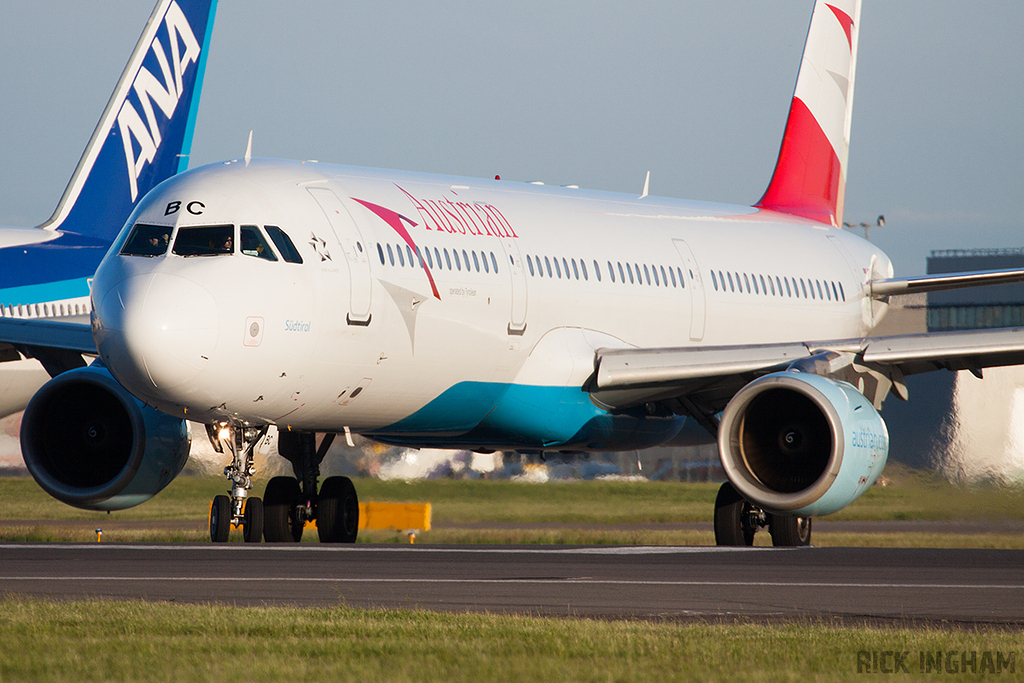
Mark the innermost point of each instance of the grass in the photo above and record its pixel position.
(179, 513)
(88, 641)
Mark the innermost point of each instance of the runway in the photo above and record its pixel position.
(858, 584)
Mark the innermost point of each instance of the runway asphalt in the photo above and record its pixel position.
(846, 584)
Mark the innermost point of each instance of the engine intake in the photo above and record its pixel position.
(91, 444)
(800, 444)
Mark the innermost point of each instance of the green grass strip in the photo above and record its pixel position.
(138, 641)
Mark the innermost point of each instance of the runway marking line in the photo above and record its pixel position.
(582, 581)
(228, 547)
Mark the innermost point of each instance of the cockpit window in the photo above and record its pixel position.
(284, 244)
(252, 243)
(206, 240)
(147, 240)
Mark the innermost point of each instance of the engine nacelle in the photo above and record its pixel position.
(801, 444)
(91, 444)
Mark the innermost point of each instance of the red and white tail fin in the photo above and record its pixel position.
(810, 175)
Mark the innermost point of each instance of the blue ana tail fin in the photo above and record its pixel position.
(145, 133)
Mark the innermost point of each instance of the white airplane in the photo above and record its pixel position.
(142, 138)
(440, 311)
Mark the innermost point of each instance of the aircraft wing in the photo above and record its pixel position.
(704, 379)
(58, 345)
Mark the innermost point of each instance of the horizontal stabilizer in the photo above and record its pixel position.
(879, 289)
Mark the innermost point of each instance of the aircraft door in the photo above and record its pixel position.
(517, 317)
(696, 285)
(356, 253)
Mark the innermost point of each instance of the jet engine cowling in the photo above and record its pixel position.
(92, 445)
(800, 444)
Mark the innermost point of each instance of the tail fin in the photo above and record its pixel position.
(145, 133)
(810, 175)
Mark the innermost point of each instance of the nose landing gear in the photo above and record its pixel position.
(238, 509)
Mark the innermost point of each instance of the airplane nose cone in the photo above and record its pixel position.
(156, 331)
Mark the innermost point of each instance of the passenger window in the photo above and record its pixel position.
(412, 261)
(380, 251)
(391, 255)
(647, 275)
(487, 268)
(207, 240)
(476, 262)
(401, 254)
(673, 274)
(803, 287)
(583, 267)
(817, 283)
(764, 288)
(746, 282)
(771, 284)
(630, 271)
(682, 282)
(147, 240)
(732, 287)
(841, 292)
(437, 257)
(494, 263)
(663, 278)
(448, 260)
(465, 259)
(529, 263)
(458, 265)
(835, 294)
(253, 244)
(597, 271)
(547, 263)
(779, 283)
(558, 269)
(565, 267)
(622, 275)
(575, 270)
(430, 261)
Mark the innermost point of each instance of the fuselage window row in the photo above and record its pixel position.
(473, 260)
(650, 274)
(790, 287)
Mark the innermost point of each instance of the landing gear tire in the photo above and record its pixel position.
(220, 519)
(280, 501)
(787, 530)
(252, 520)
(337, 519)
(733, 514)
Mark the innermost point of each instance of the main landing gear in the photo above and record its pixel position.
(238, 509)
(288, 502)
(736, 522)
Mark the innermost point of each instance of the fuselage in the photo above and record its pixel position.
(445, 310)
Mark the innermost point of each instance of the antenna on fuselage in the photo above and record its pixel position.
(647, 184)
(248, 149)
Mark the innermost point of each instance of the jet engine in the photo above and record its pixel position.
(91, 444)
(800, 444)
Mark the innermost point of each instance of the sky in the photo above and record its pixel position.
(587, 93)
